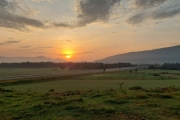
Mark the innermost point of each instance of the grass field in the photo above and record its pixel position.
(66, 85)
(107, 80)
(145, 95)
(110, 104)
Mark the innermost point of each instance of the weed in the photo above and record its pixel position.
(120, 85)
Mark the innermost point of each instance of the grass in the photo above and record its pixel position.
(100, 81)
(109, 104)
(29, 71)
(103, 96)
(65, 85)
(141, 75)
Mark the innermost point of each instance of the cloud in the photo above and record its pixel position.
(136, 19)
(44, 47)
(41, 0)
(165, 13)
(66, 40)
(88, 52)
(147, 3)
(10, 42)
(15, 21)
(155, 15)
(26, 46)
(89, 11)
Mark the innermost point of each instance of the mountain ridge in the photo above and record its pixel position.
(160, 55)
(4, 59)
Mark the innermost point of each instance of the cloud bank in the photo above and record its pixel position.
(91, 11)
(160, 12)
(148, 3)
(8, 19)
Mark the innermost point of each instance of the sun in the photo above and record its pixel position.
(68, 56)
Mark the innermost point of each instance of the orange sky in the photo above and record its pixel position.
(58, 28)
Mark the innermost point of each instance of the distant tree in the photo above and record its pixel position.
(130, 71)
(136, 70)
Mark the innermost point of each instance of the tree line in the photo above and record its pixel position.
(168, 66)
(70, 65)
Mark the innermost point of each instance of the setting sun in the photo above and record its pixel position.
(68, 56)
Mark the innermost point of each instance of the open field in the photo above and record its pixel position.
(106, 80)
(141, 95)
(134, 104)
(38, 73)
(4, 72)
(66, 85)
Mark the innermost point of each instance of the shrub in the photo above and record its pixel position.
(51, 90)
(136, 88)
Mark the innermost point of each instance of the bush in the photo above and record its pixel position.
(136, 88)
(51, 90)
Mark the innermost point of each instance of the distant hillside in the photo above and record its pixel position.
(162, 55)
(28, 59)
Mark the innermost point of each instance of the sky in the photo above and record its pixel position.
(86, 30)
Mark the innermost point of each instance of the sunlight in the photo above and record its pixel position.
(68, 56)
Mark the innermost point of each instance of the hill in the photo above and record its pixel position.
(160, 56)
(28, 59)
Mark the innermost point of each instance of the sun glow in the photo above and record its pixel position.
(68, 56)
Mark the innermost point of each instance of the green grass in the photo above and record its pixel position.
(106, 80)
(141, 75)
(65, 85)
(145, 95)
(110, 104)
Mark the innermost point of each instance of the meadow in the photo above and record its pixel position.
(105, 80)
(141, 95)
(135, 103)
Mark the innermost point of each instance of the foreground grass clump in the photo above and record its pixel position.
(157, 103)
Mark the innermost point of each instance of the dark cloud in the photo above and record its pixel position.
(147, 3)
(90, 11)
(165, 13)
(14, 21)
(158, 14)
(136, 19)
(3, 3)
(10, 42)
